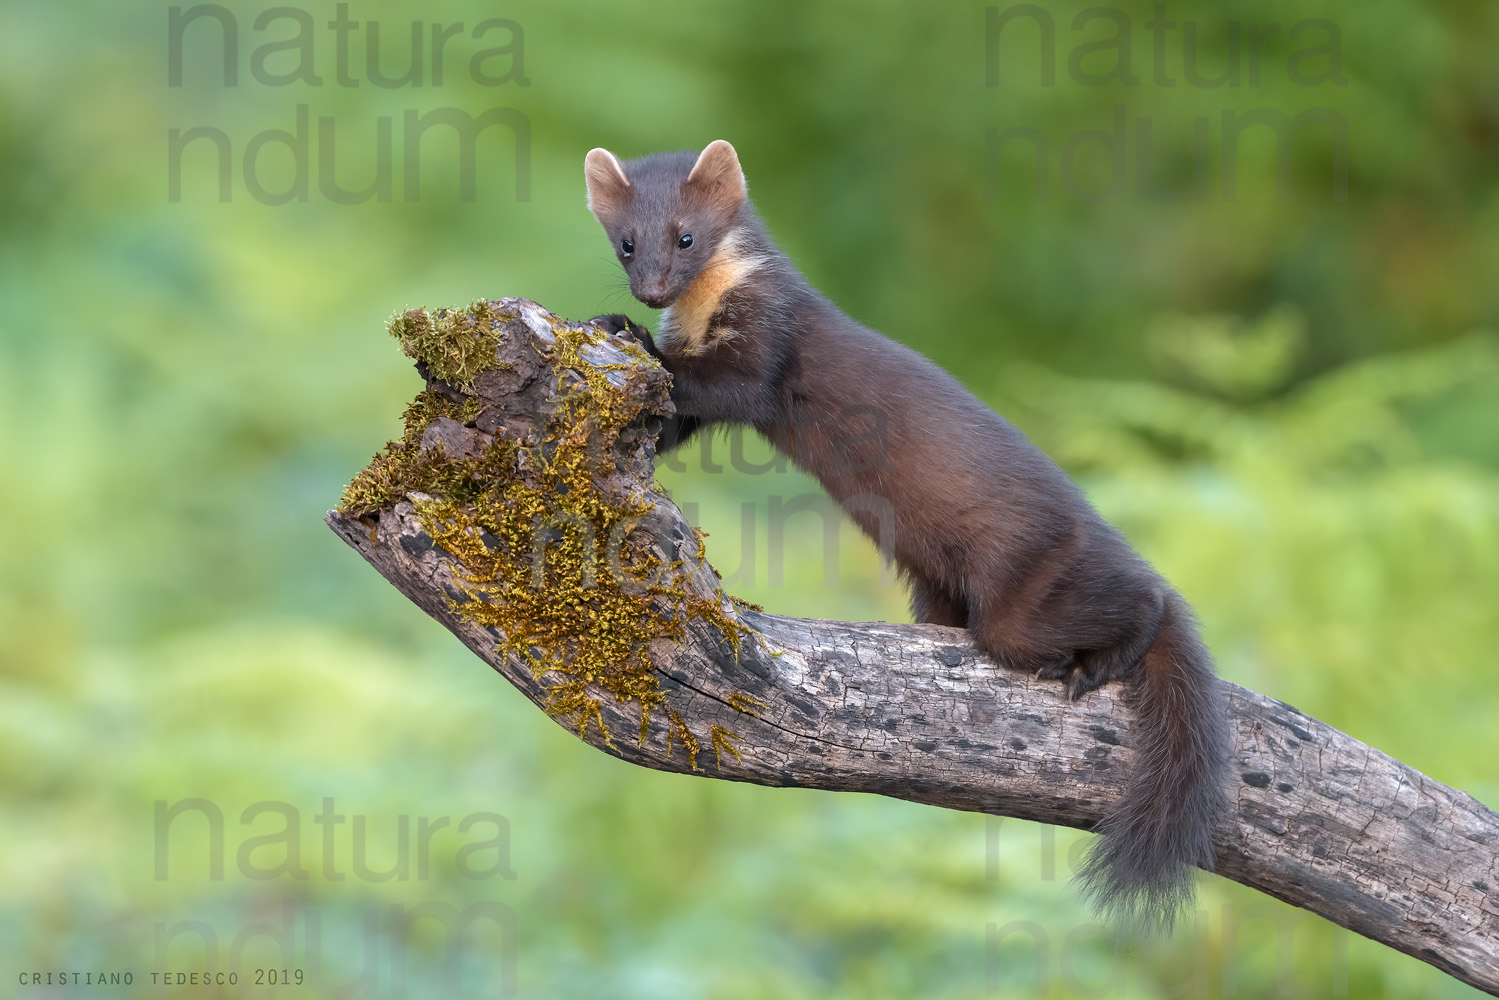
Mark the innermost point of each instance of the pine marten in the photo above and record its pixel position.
(991, 535)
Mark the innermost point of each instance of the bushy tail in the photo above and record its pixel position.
(1139, 873)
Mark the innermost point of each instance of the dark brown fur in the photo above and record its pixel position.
(990, 533)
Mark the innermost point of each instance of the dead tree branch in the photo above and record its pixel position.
(1320, 821)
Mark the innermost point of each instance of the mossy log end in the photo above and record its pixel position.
(912, 711)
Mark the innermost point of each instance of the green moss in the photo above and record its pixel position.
(404, 467)
(547, 558)
(454, 344)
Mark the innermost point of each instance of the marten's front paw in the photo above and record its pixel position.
(620, 323)
(614, 323)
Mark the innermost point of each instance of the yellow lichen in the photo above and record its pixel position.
(404, 467)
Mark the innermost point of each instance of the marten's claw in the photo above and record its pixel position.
(1083, 681)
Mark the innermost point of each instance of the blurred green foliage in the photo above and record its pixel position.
(1287, 402)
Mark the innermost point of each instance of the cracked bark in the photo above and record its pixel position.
(1320, 820)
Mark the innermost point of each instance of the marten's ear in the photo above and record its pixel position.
(607, 184)
(717, 175)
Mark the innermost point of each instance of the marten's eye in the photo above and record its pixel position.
(685, 242)
(627, 247)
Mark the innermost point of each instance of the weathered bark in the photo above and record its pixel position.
(913, 711)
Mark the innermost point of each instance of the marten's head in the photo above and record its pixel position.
(666, 214)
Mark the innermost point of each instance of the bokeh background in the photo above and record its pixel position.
(1286, 393)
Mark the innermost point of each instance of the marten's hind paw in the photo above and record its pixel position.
(1093, 672)
(1079, 676)
(1082, 681)
(1059, 669)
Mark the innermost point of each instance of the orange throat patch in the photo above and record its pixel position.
(685, 321)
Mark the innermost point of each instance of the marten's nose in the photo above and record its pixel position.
(653, 293)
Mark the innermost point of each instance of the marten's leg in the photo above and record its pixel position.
(1008, 643)
(933, 604)
(1007, 625)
